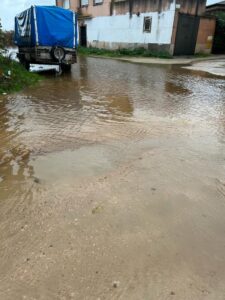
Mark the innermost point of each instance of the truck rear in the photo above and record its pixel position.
(46, 35)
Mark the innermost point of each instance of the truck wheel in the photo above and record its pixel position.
(25, 63)
(66, 68)
(58, 53)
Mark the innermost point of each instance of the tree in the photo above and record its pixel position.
(219, 39)
(1, 37)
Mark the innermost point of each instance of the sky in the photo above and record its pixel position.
(9, 8)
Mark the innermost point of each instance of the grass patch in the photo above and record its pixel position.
(138, 52)
(19, 77)
(202, 55)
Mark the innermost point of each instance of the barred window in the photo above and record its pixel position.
(84, 2)
(147, 24)
(96, 2)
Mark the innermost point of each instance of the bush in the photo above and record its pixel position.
(13, 76)
(138, 52)
(6, 38)
(219, 39)
(1, 37)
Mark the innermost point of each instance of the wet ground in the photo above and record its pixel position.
(215, 67)
(112, 185)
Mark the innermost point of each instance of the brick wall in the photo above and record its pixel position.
(205, 35)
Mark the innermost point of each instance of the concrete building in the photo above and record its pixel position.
(175, 26)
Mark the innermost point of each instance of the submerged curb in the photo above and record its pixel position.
(162, 61)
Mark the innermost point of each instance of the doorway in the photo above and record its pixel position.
(83, 36)
(186, 37)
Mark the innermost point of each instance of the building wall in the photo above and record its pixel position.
(192, 7)
(214, 9)
(205, 35)
(174, 31)
(119, 23)
(123, 31)
(92, 10)
(140, 6)
(59, 3)
(121, 7)
(64, 3)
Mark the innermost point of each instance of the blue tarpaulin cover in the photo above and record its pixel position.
(46, 26)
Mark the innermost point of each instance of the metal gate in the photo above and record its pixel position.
(186, 37)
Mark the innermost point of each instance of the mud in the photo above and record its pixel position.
(112, 185)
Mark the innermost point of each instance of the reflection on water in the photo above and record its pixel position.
(96, 104)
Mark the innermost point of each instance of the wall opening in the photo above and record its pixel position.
(97, 2)
(147, 26)
(83, 36)
(83, 3)
(186, 36)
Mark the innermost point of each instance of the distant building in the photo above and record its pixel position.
(215, 8)
(219, 38)
(175, 26)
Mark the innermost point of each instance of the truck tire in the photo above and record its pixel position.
(58, 53)
(25, 63)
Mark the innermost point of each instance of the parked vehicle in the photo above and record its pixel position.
(46, 35)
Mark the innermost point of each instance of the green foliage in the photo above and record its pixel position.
(220, 16)
(201, 55)
(219, 40)
(138, 52)
(19, 77)
(1, 37)
(6, 38)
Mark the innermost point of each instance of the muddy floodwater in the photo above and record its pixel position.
(112, 185)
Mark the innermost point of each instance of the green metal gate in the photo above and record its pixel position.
(186, 37)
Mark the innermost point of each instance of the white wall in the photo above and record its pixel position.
(123, 29)
(66, 4)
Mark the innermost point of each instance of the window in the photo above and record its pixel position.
(66, 4)
(84, 3)
(147, 24)
(97, 2)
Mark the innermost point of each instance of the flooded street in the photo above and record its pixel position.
(112, 185)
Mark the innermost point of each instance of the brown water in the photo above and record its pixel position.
(112, 185)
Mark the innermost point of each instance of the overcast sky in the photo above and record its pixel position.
(9, 8)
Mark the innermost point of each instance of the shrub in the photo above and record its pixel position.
(219, 39)
(138, 52)
(1, 37)
(13, 76)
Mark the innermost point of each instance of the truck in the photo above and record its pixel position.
(46, 35)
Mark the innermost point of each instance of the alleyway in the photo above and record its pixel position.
(112, 185)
